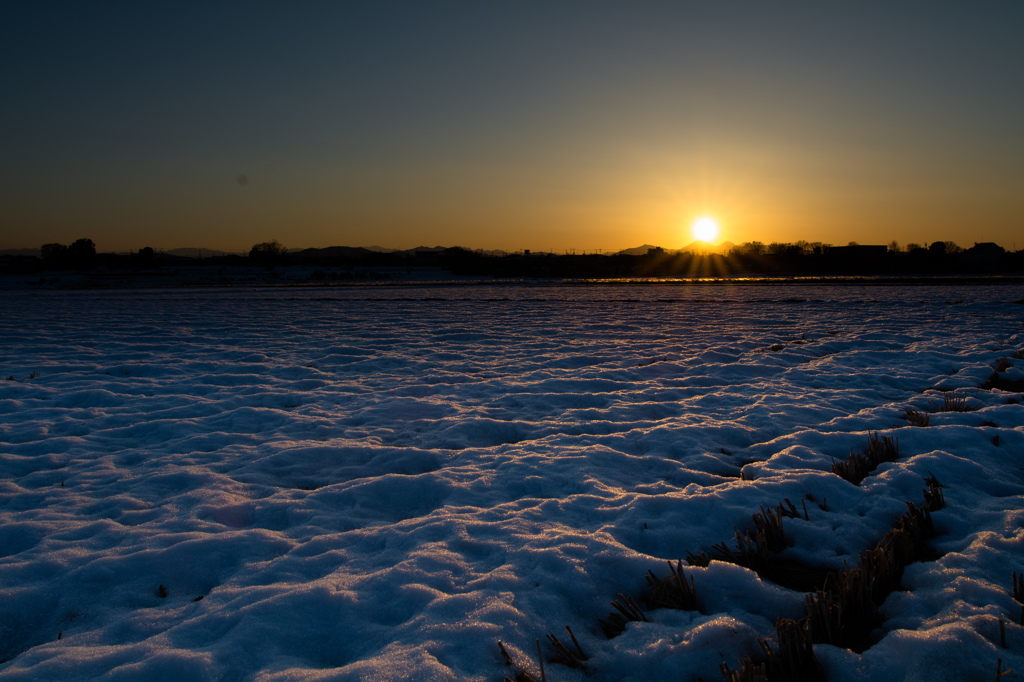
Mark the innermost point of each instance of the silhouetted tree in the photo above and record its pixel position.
(82, 253)
(894, 247)
(82, 249)
(54, 254)
(268, 253)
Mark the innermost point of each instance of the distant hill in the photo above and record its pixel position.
(693, 247)
(637, 250)
(426, 248)
(355, 251)
(198, 252)
(439, 249)
(706, 247)
(26, 253)
(312, 252)
(336, 252)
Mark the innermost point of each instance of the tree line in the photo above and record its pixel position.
(754, 257)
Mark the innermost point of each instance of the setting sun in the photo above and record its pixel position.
(705, 228)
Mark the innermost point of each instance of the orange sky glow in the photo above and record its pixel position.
(578, 127)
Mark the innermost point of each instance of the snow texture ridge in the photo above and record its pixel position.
(274, 484)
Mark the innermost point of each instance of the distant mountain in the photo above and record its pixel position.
(335, 252)
(707, 247)
(694, 247)
(198, 252)
(27, 253)
(356, 251)
(637, 250)
(431, 249)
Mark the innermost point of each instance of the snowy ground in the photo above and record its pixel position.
(380, 483)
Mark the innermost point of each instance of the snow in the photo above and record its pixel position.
(382, 482)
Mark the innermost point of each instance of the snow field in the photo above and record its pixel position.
(382, 489)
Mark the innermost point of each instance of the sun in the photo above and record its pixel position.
(705, 228)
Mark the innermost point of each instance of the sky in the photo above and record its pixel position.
(510, 125)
